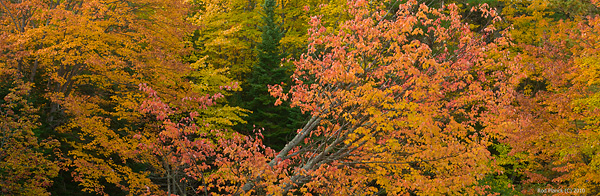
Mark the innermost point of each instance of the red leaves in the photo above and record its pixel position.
(218, 159)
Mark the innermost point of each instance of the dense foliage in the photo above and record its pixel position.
(292, 97)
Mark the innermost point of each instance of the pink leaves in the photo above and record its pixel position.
(306, 8)
(161, 110)
(232, 86)
(186, 147)
(314, 21)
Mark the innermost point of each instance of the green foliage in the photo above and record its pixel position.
(279, 122)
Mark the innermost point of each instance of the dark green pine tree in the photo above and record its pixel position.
(279, 122)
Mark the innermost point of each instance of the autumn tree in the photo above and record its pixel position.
(84, 60)
(191, 157)
(401, 104)
(553, 142)
(24, 168)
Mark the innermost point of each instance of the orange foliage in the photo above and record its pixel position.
(85, 59)
(556, 124)
(401, 103)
